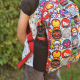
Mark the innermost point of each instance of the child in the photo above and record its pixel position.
(28, 8)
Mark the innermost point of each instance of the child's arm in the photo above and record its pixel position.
(22, 26)
(27, 8)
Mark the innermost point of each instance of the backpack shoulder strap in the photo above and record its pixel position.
(29, 33)
(30, 43)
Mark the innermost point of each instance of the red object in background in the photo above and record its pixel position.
(68, 65)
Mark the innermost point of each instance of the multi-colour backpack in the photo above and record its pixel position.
(59, 19)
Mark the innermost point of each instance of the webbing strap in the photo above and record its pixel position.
(44, 39)
(23, 60)
(31, 47)
(30, 38)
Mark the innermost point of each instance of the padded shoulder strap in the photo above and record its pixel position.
(31, 45)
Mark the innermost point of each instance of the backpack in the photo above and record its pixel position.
(59, 19)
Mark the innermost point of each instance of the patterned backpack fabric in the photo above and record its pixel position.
(60, 18)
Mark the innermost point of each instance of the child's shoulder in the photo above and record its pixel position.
(29, 6)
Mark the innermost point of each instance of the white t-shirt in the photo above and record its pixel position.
(33, 25)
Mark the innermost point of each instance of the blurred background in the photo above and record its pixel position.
(11, 49)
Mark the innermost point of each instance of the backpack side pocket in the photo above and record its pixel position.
(40, 55)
